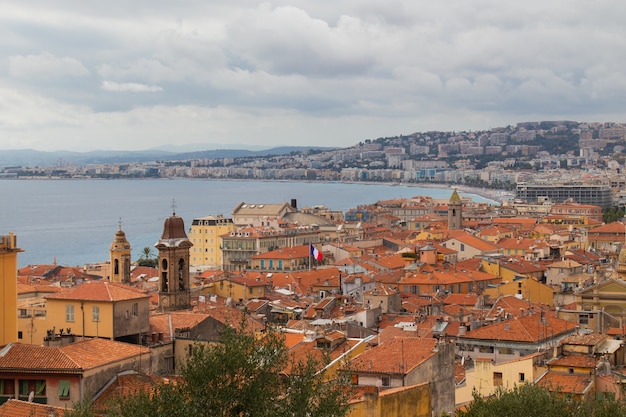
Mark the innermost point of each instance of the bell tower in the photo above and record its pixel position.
(174, 247)
(455, 212)
(120, 258)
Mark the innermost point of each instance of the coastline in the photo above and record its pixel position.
(497, 196)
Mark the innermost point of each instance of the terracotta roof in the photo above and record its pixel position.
(302, 251)
(128, 383)
(461, 299)
(72, 358)
(470, 240)
(566, 264)
(566, 383)
(100, 291)
(528, 328)
(17, 408)
(397, 356)
(228, 316)
(575, 361)
(160, 323)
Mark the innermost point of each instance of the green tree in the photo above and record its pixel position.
(147, 258)
(534, 401)
(523, 400)
(241, 376)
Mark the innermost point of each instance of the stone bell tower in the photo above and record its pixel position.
(455, 212)
(174, 247)
(120, 258)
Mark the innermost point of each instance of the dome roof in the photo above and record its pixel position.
(174, 228)
(120, 242)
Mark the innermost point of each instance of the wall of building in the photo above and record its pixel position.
(8, 289)
(412, 401)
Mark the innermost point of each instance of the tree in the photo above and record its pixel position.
(146, 258)
(534, 401)
(241, 376)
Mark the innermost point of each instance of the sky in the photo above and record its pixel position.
(146, 74)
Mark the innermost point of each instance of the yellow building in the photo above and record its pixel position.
(527, 289)
(238, 288)
(486, 376)
(100, 309)
(512, 268)
(205, 235)
(407, 401)
(8, 289)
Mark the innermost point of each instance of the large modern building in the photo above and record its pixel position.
(559, 192)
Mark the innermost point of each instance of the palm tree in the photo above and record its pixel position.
(147, 258)
(146, 253)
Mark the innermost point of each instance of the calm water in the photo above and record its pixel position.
(75, 221)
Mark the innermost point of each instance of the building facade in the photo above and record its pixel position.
(205, 235)
(8, 288)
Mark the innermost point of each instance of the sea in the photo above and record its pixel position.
(73, 222)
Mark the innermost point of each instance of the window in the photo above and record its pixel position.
(135, 309)
(385, 381)
(462, 247)
(69, 312)
(7, 387)
(485, 349)
(522, 377)
(355, 379)
(497, 379)
(20, 334)
(583, 319)
(64, 389)
(36, 386)
(95, 313)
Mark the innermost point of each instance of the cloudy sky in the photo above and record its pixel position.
(134, 75)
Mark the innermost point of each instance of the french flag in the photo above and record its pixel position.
(317, 255)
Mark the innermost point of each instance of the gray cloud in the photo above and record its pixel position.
(129, 76)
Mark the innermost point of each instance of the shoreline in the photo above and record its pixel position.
(497, 196)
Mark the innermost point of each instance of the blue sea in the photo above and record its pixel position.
(74, 221)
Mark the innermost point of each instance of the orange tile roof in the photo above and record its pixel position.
(470, 240)
(160, 323)
(528, 328)
(292, 339)
(228, 316)
(566, 383)
(575, 361)
(72, 358)
(100, 291)
(97, 352)
(302, 251)
(17, 408)
(126, 384)
(397, 356)
(461, 299)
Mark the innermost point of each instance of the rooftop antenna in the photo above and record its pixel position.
(173, 207)
(120, 223)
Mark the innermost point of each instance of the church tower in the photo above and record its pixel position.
(174, 248)
(8, 289)
(455, 212)
(120, 258)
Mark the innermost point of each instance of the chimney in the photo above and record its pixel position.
(294, 203)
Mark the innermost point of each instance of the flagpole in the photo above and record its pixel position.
(310, 250)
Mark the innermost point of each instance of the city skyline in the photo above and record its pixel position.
(150, 75)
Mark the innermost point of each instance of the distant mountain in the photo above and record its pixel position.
(30, 157)
(243, 153)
